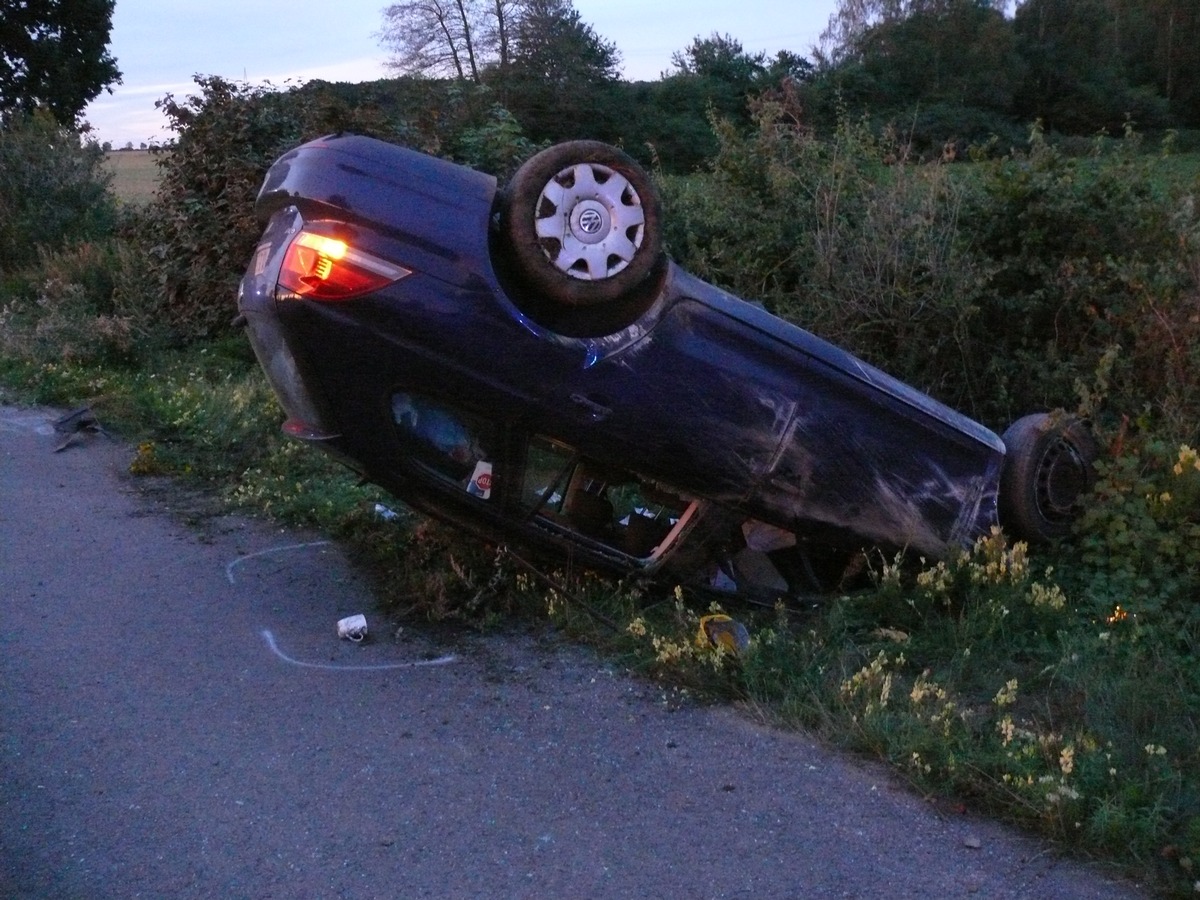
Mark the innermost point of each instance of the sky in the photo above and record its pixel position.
(160, 45)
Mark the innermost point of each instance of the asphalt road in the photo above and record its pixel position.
(179, 719)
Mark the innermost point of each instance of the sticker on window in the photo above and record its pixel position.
(480, 484)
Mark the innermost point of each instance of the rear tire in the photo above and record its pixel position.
(1048, 469)
(582, 222)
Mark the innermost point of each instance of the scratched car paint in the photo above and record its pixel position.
(529, 364)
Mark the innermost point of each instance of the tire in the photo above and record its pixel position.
(1048, 468)
(582, 221)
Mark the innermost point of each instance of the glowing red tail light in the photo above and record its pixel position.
(327, 268)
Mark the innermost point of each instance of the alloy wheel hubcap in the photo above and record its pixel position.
(589, 221)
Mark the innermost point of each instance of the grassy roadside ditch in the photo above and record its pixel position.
(1007, 681)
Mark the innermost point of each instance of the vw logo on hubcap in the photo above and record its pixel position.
(590, 221)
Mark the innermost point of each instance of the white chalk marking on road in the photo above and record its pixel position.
(241, 559)
(418, 664)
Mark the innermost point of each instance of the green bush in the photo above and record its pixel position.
(53, 189)
(88, 303)
(1082, 255)
(201, 229)
(837, 235)
(495, 145)
(999, 286)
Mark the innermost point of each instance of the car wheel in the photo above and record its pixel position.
(1048, 467)
(583, 222)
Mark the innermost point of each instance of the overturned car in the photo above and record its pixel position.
(529, 364)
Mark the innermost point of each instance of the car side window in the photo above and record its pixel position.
(455, 446)
(613, 506)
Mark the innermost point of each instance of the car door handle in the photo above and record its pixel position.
(597, 411)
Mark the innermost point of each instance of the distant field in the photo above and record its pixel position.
(135, 175)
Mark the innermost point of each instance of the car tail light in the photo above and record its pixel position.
(328, 268)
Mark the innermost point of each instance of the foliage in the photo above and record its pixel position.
(1074, 82)
(54, 56)
(553, 45)
(201, 228)
(1080, 66)
(90, 303)
(562, 75)
(1141, 537)
(522, 47)
(1000, 291)
(984, 677)
(440, 37)
(52, 189)
(458, 39)
(496, 145)
(958, 56)
(721, 57)
(835, 235)
(1083, 255)
(716, 76)
(662, 126)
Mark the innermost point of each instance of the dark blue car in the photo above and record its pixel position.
(529, 364)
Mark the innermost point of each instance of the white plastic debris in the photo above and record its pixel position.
(387, 515)
(353, 628)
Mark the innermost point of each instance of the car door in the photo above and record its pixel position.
(697, 402)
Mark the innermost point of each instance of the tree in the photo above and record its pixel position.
(438, 38)
(53, 188)
(854, 19)
(498, 28)
(1159, 43)
(961, 53)
(458, 39)
(1078, 82)
(54, 54)
(945, 71)
(788, 65)
(552, 44)
(721, 57)
(723, 74)
(563, 79)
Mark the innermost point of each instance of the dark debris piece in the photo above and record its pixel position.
(76, 425)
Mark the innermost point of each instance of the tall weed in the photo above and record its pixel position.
(839, 235)
(89, 303)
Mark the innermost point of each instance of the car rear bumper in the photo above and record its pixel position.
(256, 306)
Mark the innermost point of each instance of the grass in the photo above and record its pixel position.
(1181, 170)
(135, 175)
